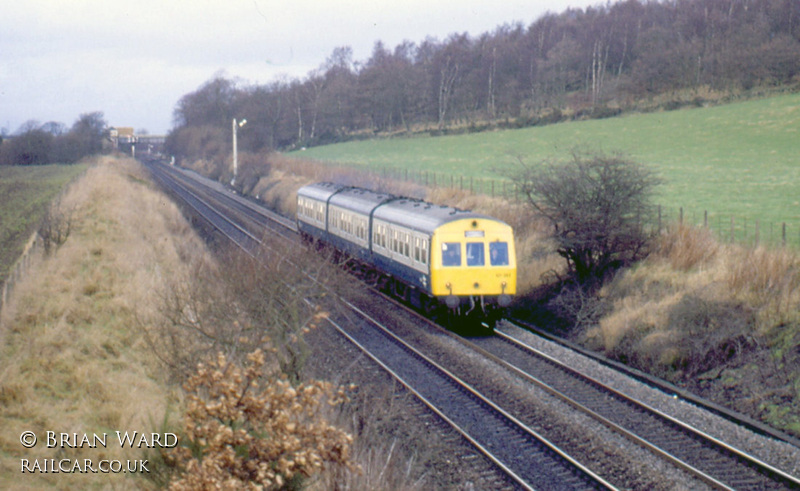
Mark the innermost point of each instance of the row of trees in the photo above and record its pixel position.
(579, 62)
(49, 143)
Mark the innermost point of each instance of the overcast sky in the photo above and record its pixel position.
(134, 60)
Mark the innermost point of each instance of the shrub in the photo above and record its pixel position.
(240, 302)
(55, 226)
(597, 206)
(245, 432)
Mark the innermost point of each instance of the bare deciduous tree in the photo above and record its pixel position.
(598, 206)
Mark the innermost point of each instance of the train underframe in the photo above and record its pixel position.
(462, 313)
(458, 313)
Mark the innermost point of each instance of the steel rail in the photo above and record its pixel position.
(591, 476)
(748, 460)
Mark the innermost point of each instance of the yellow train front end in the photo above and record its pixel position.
(473, 265)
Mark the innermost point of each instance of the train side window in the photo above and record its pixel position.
(475, 254)
(424, 252)
(451, 254)
(498, 253)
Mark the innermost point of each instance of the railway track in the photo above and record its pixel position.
(521, 452)
(718, 464)
(197, 198)
(711, 460)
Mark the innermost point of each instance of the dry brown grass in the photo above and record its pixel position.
(73, 361)
(688, 247)
(696, 304)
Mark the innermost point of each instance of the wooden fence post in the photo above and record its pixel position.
(659, 219)
(757, 232)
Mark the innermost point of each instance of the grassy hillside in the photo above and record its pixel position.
(733, 160)
(24, 193)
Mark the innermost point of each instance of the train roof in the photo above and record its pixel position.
(422, 216)
(320, 191)
(360, 200)
(409, 212)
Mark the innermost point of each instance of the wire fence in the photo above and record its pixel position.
(728, 228)
(734, 229)
(20, 268)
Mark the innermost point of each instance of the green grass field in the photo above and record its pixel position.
(24, 193)
(739, 160)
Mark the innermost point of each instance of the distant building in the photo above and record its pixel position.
(124, 139)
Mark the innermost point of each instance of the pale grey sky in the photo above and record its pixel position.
(134, 60)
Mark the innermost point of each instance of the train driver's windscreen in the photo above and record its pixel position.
(475, 254)
(498, 253)
(451, 254)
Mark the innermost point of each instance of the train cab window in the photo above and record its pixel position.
(498, 253)
(451, 254)
(475, 254)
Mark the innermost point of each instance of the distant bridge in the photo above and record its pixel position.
(125, 140)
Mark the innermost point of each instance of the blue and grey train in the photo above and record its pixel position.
(429, 255)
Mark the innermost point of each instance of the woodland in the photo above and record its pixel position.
(631, 55)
